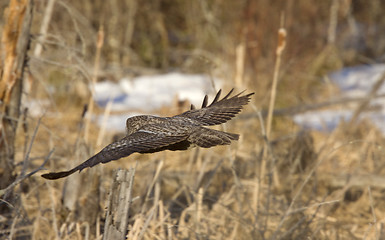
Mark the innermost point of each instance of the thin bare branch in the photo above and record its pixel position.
(41, 167)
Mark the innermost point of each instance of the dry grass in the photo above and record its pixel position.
(296, 185)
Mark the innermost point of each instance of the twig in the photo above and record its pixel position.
(86, 226)
(26, 158)
(333, 21)
(99, 46)
(12, 231)
(373, 213)
(154, 179)
(146, 223)
(240, 53)
(365, 102)
(314, 205)
(198, 209)
(202, 171)
(51, 195)
(256, 192)
(7, 189)
(106, 115)
(44, 27)
(280, 48)
(132, 8)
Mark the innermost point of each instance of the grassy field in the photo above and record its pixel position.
(286, 183)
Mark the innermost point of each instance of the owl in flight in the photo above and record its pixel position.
(149, 134)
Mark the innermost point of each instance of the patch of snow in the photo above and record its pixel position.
(148, 93)
(325, 120)
(358, 81)
(353, 82)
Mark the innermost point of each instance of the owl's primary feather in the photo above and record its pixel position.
(149, 134)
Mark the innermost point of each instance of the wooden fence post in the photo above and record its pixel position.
(118, 206)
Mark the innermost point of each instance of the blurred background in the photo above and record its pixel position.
(318, 175)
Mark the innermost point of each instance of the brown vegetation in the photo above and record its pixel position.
(292, 185)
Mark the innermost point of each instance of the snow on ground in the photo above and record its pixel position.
(353, 82)
(148, 93)
(325, 120)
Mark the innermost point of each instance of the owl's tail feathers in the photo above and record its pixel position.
(57, 175)
(206, 137)
(114, 151)
(88, 163)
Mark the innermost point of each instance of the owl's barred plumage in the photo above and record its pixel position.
(149, 134)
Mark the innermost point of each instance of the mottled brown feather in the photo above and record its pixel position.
(218, 111)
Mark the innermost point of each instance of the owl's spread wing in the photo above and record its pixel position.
(218, 111)
(148, 139)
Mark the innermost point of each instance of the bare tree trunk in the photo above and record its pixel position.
(13, 52)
